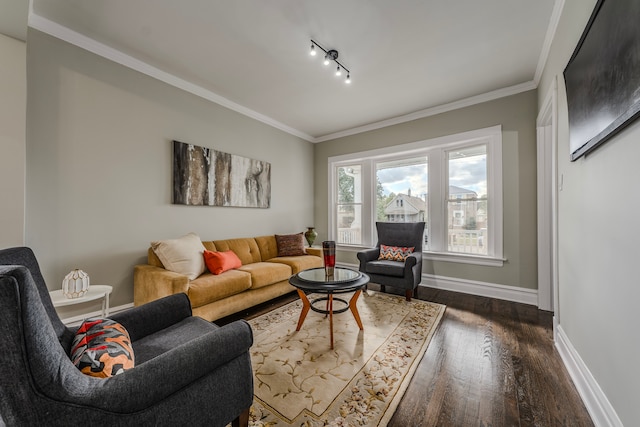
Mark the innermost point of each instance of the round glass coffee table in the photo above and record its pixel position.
(316, 281)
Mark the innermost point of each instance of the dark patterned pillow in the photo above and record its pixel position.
(395, 253)
(102, 348)
(290, 244)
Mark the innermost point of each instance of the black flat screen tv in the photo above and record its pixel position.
(602, 77)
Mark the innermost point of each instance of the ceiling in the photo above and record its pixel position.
(408, 58)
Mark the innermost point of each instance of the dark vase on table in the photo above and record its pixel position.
(329, 255)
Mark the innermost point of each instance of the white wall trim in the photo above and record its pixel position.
(63, 33)
(474, 287)
(602, 412)
(467, 102)
(76, 320)
(484, 289)
(547, 167)
(548, 39)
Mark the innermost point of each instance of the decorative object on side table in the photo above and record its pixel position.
(329, 255)
(75, 284)
(310, 235)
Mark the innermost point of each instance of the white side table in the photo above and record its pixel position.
(95, 292)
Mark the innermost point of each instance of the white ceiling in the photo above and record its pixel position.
(407, 57)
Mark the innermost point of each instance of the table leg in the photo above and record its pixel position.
(354, 308)
(105, 305)
(330, 300)
(305, 308)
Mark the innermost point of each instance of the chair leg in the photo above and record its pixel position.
(408, 294)
(242, 420)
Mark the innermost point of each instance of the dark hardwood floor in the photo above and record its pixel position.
(490, 363)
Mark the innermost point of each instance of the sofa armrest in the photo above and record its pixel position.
(314, 251)
(151, 283)
(154, 316)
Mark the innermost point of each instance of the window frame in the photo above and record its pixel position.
(436, 150)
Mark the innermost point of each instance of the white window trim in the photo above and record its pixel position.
(491, 136)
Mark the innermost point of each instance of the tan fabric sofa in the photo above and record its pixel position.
(263, 276)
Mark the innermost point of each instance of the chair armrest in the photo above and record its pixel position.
(413, 259)
(368, 255)
(150, 383)
(151, 283)
(154, 316)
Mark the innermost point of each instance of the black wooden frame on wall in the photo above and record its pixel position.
(602, 77)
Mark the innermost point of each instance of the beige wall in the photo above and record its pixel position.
(598, 239)
(517, 115)
(13, 100)
(99, 171)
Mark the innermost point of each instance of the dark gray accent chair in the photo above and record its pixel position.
(187, 371)
(404, 275)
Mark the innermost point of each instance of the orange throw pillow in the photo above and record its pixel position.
(219, 262)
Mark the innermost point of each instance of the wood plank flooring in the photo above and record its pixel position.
(490, 363)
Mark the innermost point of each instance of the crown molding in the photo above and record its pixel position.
(558, 6)
(63, 33)
(467, 102)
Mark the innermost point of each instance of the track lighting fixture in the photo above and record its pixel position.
(331, 55)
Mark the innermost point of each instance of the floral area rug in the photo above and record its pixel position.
(300, 381)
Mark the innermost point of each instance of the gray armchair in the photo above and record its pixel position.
(188, 371)
(405, 275)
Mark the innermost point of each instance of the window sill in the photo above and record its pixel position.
(445, 257)
(464, 258)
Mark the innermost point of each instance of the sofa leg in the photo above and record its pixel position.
(382, 288)
(242, 420)
(408, 294)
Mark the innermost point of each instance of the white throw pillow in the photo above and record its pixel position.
(183, 255)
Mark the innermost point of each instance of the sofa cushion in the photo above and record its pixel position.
(299, 263)
(102, 348)
(268, 247)
(219, 262)
(246, 249)
(182, 255)
(266, 273)
(208, 287)
(290, 244)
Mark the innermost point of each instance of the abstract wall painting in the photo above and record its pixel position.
(207, 177)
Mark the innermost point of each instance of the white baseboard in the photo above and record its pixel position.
(474, 287)
(484, 289)
(76, 320)
(599, 407)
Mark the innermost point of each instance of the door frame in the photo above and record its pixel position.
(547, 169)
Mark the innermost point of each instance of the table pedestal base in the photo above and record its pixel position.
(306, 305)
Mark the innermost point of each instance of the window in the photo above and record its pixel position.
(452, 183)
(467, 201)
(349, 204)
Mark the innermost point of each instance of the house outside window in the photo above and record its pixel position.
(452, 183)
